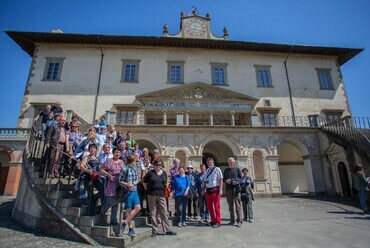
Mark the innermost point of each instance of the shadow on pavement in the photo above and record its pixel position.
(6, 221)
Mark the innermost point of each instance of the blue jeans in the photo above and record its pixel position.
(92, 198)
(204, 215)
(180, 203)
(111, 202)
(363, 196)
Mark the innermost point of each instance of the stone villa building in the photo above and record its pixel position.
(194, 95)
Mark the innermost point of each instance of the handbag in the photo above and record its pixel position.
(121, 192)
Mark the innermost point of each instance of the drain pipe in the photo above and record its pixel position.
(289, 88)
(99, 79)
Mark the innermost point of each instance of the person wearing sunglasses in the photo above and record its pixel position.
(155, 182)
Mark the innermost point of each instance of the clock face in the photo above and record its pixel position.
(195, 27)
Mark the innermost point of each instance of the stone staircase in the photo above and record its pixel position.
(62, 196)
(346, 135)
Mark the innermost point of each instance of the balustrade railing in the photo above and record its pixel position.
(15, 133)
(346, 132)
(361, 122)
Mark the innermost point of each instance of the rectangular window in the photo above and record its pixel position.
(130, 71)
(325, 80)
(268, 119)
(219, 74)
(175, 72)
(126, 116)
(263, 76)
(333, 116)
(53, 69)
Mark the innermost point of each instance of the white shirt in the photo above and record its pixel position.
(214, 177)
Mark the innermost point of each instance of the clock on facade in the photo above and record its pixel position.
(195, 27)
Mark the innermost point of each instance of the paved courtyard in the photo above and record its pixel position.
(279, 222)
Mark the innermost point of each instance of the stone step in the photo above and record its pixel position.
(77, 211)
(125, 241)
(80, 211)
(70, 202)
(34, 169)
(98, 220)
(61, 194)
(54, 187)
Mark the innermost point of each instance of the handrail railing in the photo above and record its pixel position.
(15, 133)
(351, 135)
(33, 156)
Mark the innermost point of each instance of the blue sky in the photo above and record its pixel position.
(333, 23)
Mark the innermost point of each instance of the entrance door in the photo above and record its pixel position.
(343, 177)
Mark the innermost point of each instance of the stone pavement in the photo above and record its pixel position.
(279, 222)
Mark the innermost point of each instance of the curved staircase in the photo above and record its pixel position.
(61, 206)
(346, 134)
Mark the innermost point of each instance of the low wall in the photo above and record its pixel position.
(32, 212)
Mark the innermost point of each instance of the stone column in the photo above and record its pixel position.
(315, 175)
(254, 119)
(273, 183)
(164, 112)
(186, 113)
(210, 118)
(167, 162)
(195, 161)
(140, 117)
(232, 115)
(13, 177)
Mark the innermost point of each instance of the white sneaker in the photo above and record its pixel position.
(184, 224)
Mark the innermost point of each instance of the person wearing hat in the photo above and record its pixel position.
(90, 175)
(57, 109)
(192, 196)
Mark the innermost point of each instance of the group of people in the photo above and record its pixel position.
(362, 185)
(203, 191)
(110, 160)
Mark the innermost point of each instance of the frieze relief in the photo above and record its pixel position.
(198, 93)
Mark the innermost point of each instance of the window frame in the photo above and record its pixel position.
(50, 60)
(224, 67)
(175, 63)
(267, 122)
(320, 71)
(130, 115)
(126, 62)
(264, 68)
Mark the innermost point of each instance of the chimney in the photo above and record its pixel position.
(57, 31)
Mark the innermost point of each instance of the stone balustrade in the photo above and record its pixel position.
(15, 133)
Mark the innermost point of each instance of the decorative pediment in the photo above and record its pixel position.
(197, 92)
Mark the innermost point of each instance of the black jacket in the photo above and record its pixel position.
(234, 174)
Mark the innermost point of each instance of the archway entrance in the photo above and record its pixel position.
(344, 181)
(219, 151)
(146, 144)
(4, 170)
(293, 177)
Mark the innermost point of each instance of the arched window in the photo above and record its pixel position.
(259, 168)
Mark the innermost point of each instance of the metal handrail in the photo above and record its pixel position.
(29, 156)
(346, 132)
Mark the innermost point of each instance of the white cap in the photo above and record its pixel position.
(189, 166)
